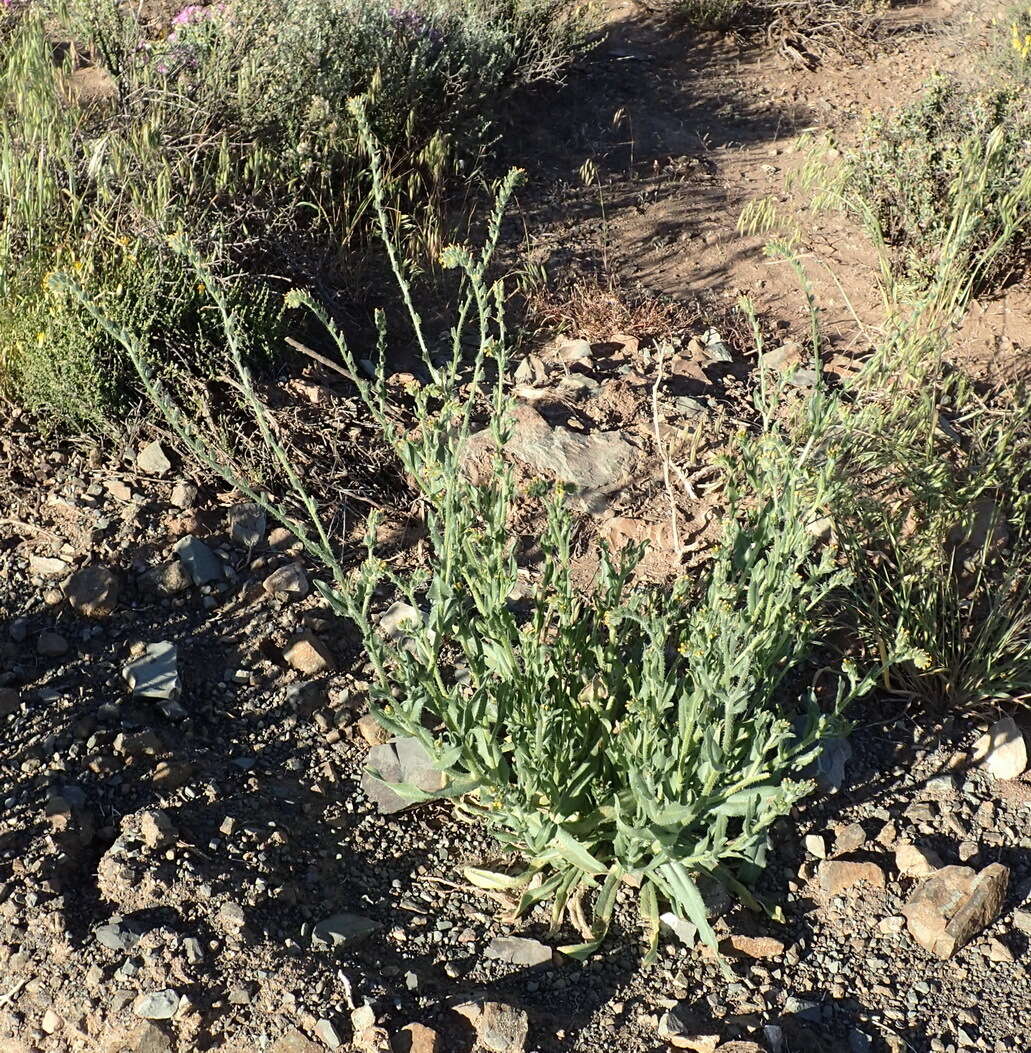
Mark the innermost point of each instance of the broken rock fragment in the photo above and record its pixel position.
(402, 761)
(500, 1028)
(952, 906)
(156, 673)
(1002, 750)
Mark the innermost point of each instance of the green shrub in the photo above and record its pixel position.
(233, 130)
(617, 737)
(913, 170)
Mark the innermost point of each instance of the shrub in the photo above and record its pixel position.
(233, 129)
(913, 171)
(614, 737)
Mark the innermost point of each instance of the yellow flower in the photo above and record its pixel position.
(201, 288)
(40, 337)
(77, 265)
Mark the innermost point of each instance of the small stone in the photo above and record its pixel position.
(685, 931)
(1002, 750)
(949, 908)
(416, 1038)
(51, 645)
(153, 460)
(518, 951)
(247, 524)
(309, 655)
(93, 592)
(156, 673)
(280, 539)
(398, 621)
(157, 1005)
(117, 935)
(892, 925)
(327, 1034)
(967, 850)
(167, 579)
(156, 829)
(372, 730)
(52, 1022)
(838, 875)
(753, 946)
(290, 582)
(849, 838)
(184, 495)
(500, 1028)
(997, 951)
(47, 567)
(200, 562)
(916, 862)
(194, 950)
(340, 931)
(816, 846)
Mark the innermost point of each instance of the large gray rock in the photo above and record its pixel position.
(156, 1005)
(401, 761)
(518, 951)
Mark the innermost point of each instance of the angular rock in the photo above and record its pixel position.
(518, 951)
(309, 655)
(93, 592)
(167, 579)
(500, 1028)
(849, 839)
(247, 524)
(200, 562)
(402, 761)
(184, 495)
(340, 931)
(593, 464)
(328, 1034)
(153, 460)
(372, 730)
(1002, 750)
(117, 935)
(398, 621)
(416, 1038)
(47, 567)
(156, 673)
(156, 829)
(156, 1005)
(684, 931)
(952, 906)
(51, 645)
(290, 582)
(816, 846)
(913, 861)
(838, 875)
(149, 1038)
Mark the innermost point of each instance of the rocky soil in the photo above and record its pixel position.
(191, 855)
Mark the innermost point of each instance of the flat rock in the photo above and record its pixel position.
(518, 950)
(500, 1028)
(404, 760)
(309, 655)
(340, 931)
(156, 673)
(153, 460)
(328, 1034)
(815, 845)
(398, 621)
(839, 875)
(593, 464)
(47, 567)
(200, 561)
(93, 592)
(952, 906)
(848, 839)
(184, 495)
(290, 582)
(685, 931)
(1002, 750)
(914, 861)
(752, 946)
(156, 1005)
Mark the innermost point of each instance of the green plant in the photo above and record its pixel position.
(942, 180)
(618, 737)
(232, 130)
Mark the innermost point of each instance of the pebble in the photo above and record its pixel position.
(156, 1005)
(290, 581)
(1002, 750)
(839, 875)
(93, 592)
(184, 495)
(153, 460)
(518, 951)
(309, 655)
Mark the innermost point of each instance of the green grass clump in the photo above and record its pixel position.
(229, 127)
(913, 169)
